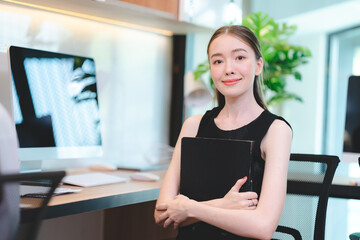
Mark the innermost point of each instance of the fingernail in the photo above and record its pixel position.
(244, 178)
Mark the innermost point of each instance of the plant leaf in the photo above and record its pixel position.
(279, 98)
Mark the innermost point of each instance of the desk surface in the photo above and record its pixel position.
(133, 192)
(99, 197)
(307, 184)
(341, 186)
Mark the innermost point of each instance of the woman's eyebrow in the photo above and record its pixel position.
(233, 51)
(238, 50)
(216, 55)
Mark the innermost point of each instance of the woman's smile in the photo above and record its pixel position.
(230, 82)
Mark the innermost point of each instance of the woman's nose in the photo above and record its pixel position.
(229, 69)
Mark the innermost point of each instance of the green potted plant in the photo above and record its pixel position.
(281, 59)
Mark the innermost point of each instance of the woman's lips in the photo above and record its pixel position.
(230, 82)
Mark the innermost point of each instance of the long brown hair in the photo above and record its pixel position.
(246, 35)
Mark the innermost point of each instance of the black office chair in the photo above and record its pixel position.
(34, 214)
(355, 235)
(309, 181)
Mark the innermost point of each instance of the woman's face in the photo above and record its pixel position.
(233, 66)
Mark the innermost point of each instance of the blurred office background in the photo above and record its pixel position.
(134, 74)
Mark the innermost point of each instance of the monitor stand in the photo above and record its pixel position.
(30, 166)
(143, 167)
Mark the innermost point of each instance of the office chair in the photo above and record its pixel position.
(37, 206)
(355, 235)
(309, 181)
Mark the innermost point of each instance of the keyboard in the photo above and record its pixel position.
(41, 191)
(92, 179)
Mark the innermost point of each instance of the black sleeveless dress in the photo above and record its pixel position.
(254, 131)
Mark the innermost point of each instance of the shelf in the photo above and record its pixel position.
(118, 13)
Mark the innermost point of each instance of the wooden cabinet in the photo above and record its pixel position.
(134, 222)
(159, 15)
(170, 6)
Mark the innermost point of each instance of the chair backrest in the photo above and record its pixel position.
(9, 164)
(33, 209)
(309, 180)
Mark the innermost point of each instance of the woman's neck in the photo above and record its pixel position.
(235, 108)
(238, 113)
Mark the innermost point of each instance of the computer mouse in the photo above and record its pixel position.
(144, 176)
(103, 167)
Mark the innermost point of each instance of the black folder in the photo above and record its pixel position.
(210, 167)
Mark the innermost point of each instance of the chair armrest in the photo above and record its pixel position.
(291, 231)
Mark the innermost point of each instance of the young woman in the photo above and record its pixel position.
(236, 65)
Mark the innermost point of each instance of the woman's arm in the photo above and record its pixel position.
(170, 187)
(261, 222)
(171, 183)
(232, 200)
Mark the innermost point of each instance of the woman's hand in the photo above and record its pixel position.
(174, 211)
(239, 200)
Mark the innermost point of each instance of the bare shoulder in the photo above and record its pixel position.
(194, 119)
(191, 126)
(277, 141)
(280, 128)
(278, 133)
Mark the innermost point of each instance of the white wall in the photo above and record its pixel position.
(133, 70)
(285, 9)
(134, 79)
(306, 117)
(210, 13)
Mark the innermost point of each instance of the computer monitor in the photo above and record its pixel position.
(351, 148)
(55, 106)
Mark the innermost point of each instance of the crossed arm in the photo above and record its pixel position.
(232, 212)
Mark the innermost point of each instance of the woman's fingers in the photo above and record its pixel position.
(161, 207)
(252, 207)
(176, 225)
(161, 218)
(252, 203)
(238, 184)
(167, 222)
(250, 195)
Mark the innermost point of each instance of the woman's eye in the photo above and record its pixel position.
(217, 61)
(239, 57)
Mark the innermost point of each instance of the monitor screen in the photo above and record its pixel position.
(55, 105)
(351, 146)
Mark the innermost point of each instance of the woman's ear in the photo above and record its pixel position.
(259, 66)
